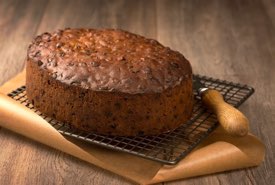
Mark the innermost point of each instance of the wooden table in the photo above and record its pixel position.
(232, 40)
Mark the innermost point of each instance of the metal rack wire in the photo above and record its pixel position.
(168, 148)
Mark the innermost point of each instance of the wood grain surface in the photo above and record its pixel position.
(230, 39)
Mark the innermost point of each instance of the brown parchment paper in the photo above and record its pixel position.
(219, 152)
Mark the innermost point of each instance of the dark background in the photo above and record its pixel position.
(230, 39)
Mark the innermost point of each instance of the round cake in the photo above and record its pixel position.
(109, 82)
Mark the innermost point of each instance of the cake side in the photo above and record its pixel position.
(110, 113)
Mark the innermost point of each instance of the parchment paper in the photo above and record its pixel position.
(219, 152)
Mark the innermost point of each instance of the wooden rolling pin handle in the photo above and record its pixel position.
(230, 118)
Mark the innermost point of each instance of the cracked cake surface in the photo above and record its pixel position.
(109, 60)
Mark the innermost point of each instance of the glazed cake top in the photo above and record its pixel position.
(109, 60)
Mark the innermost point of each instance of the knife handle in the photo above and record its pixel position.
(231, 119)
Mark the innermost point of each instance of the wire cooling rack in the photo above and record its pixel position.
(168, 148)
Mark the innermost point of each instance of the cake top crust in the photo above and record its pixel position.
(108, 60)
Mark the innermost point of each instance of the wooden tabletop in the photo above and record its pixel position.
(231, 39)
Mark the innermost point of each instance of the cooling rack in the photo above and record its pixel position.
(168, 148)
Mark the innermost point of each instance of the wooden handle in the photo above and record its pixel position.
(230, 118)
